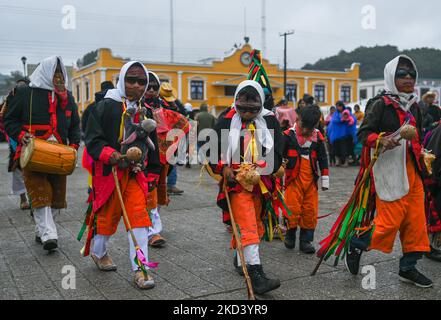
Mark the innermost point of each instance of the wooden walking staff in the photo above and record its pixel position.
(239, 247)
(140, 257)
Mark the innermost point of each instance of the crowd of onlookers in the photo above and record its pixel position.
(341, 132)
(339, 127)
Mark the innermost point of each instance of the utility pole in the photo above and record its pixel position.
(285, 34)
(263, 27)
(172, 44)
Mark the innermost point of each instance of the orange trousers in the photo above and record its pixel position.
(152, 199)
(301, 197)
(247, 209)
(405, 215)
(135, 202)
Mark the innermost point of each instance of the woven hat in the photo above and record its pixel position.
(429, 94)
(167, 92)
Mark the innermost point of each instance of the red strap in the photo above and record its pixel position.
(292, 153)
(230, 114)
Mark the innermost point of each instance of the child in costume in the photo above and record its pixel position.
(245, 127)
(304, 147)
(389, 193)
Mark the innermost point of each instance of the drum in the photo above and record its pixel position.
(48, 157)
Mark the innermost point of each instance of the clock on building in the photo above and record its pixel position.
(245, 59)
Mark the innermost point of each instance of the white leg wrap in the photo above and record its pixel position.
(157, 224)
(18, 186)
(141, 235)
(45, 224)
(251, 254)
(99, 248)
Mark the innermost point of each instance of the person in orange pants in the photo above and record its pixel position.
(104, 137)
(399, 193)
(305, 151)
(248, 125)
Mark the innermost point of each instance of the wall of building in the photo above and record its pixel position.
(229, 71)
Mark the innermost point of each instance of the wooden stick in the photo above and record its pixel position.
(239, 244)
(125, 216)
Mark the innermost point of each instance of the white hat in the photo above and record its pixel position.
(188, 107)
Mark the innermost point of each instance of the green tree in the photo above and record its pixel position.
(373, 60)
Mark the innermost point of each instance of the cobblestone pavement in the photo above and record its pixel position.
(196, 263)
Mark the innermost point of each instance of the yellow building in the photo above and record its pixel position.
(214, 81)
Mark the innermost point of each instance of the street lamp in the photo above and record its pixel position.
(23, 59)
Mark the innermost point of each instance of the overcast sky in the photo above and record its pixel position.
(207, 28)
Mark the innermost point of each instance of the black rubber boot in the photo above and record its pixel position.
(306, 238)
(261, 284)
(290, 238)
(50, 245)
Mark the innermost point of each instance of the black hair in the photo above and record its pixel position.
(249, 94)
(406, 62)
(152, 78)
(332, 108)
(136, 64)
(269, 102)
(310, 116)
(107, 85)
(25, 80)
(309, 100)
(340, 104)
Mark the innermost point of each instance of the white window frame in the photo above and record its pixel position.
(341, 91)
(291, 82)
(115, 79)
(204, 82)
(77, 86)
(326, 91)
(86, 82)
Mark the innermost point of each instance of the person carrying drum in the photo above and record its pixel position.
(45, 110)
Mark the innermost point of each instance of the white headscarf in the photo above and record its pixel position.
(43, 75)
(119, 93)
(406, 100)
(263, 134)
